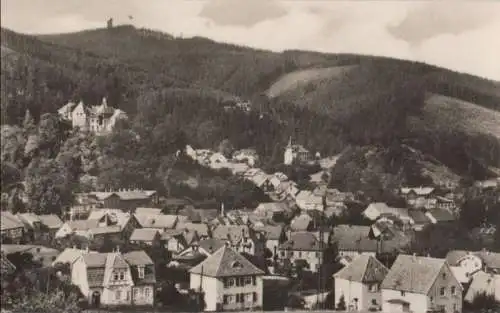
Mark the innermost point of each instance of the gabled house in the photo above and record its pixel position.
(125, 199)
(70, 255)
(419, 197)
(50, 224)
(174, 240)
(115, 278)
(194, 231)
(303, 246)
(308, 201)
(241, 238)
(274, 236)
(147, 236)
(12, 229)
(483, 283)
(229, 281)
(377, 209)
(161, 222)
(113, 219)
(421, 284)
(359, 283)
(271, 210)
(78, 227)
(204, 247)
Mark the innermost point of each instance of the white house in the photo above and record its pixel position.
(378, 209)
(421, 284)
(229, 281)
(359, 283)
(483, 283)
(115, 278)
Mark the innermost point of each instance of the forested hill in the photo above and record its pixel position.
(327, 102)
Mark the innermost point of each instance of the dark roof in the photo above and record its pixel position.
(271, 232)
(303, 241)
(363, 269)
(442, 215)
(356, 238)
(414, 274)
(418, 217)
(226, 262)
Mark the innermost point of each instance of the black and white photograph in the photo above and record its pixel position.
(180, 156)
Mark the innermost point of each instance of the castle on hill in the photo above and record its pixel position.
(98, 119)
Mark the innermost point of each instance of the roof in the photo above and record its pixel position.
(384, 209)
(356, 238)
(114, 215)
(5, 265)
(414, 274)
(149, 211)
(28, 218)
(234, 233)
(273, 206)
(83, 224)
(70, 255)
(421, 191)
(51, 221)
(442, 215)
(9, 221)
(226, 262)
(271, 232)
(301, 222)
(303, 241)
(363, 269)
(95, 259)
(138, 258)
(125, 194)
(461, 274)
(156, 221)
(144, 234)
(483, 283)
(101, 230)
(211, 245)
(200, 228)
(418, 217)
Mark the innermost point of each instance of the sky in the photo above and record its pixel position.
(460, 35)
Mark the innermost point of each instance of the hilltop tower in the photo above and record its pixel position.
(110, 23)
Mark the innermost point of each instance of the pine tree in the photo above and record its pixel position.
(341, 306)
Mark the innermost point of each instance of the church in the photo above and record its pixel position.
(98, 119)
(295, 153)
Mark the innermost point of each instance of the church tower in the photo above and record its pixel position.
(288, 156)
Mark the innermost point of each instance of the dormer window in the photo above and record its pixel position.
(140, 271)
(236, 264)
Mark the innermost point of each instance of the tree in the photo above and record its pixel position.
(39, 302)
(341, 305)
(484, 302)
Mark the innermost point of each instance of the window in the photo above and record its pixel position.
(282, 254)
(226, 300)
(444, 275)
(147, 292)
(248, 280)
(115, 276)
(128, 295)
(118, 295)
(441, 291)
(254, 297)
(432, 299)
(136, 293)
(318, 255)
(248, 297)
(374, 301)
(122, 275)
(254, 281)
(453, 290)
(403, 293)
(230, 282)
(373, 288)
(300, 254)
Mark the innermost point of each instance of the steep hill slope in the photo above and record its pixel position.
(362, 100)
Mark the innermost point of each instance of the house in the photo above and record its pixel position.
(261, 181)
(271, 210)
(70, 255)
(241, 238)
(483, 283)
(274, 236)
(302, 222)
(78, 227)
(296, 153)
(421, 284)
(418, 219)
(359, 283)
(303, 246)
(248, 156)
(197, 231)
(229, 281)
(114, 278)
(445, 203)
(125, 199)
(50, 224)
(147, 236)
(97, 119)
(420, 197)
(12, 229)
(309, 201)
(352, 240)
(161, 222)
(84, 203)
(206, 247)
(174, 240)
(440, 216)
(125, 222)
(476, 261)
(378, 209)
